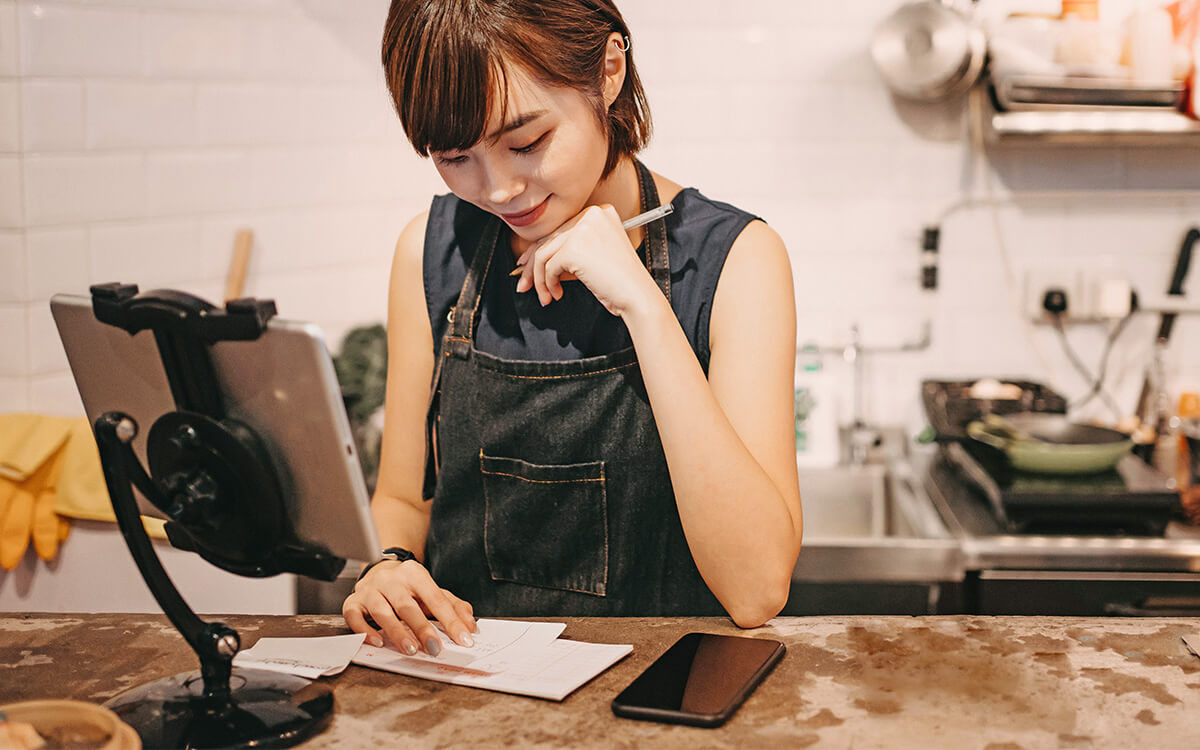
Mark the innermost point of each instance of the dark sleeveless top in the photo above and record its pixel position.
(515, 326)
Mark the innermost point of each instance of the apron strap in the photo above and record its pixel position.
(656, 257)
(456, 341)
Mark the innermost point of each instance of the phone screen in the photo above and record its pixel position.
(700, 680)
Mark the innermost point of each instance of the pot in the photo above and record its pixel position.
(927, 50)
(1051, 444)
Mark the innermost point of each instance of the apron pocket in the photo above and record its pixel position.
(546, 525)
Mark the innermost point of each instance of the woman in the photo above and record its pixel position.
(611, 432)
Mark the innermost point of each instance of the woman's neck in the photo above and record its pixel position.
(620, 189)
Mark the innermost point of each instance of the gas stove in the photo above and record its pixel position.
(1131, 499)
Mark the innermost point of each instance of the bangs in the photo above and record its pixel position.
(447, 65)
(444, 84)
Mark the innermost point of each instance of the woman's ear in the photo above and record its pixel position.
(614, 67)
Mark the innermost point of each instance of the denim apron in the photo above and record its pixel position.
(549, 485)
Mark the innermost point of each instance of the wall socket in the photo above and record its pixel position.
(1091, 297)
(1072, 281)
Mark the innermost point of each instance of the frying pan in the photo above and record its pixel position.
(1051, 444)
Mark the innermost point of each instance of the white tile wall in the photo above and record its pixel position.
(198, 182)
(58, 262)
(60, 39)
(52, 115)
(13, 284)
(11, 200)
(10, 61)
(84, 187)
(14, 341)
(10, 117)
(46, 355)
(139, 114)
(150, 254)
(14, 394)
(154, 129)
(54, 394)
(195, 44)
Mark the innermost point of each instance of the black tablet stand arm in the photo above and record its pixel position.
(210, 474)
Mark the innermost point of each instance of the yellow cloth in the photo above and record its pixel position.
(49, 472)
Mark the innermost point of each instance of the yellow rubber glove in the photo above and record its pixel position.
(45, 520)
(18, 519)
(8, 500)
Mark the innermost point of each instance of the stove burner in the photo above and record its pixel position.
(1133, 498)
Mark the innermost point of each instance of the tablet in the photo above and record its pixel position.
(282, 385)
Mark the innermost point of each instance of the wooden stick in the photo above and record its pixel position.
(236, 280)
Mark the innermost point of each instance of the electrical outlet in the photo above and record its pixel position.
(1038, 281)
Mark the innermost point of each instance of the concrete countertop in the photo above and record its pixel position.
(864, 682)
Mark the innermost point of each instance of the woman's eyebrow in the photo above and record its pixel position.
(519, 121)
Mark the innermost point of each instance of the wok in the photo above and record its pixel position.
(1051, 444)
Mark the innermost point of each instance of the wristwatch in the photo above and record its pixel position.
(399, 554)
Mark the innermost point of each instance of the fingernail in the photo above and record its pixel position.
(465, 639)
(410, 648)
(375, 641)
(433, 646)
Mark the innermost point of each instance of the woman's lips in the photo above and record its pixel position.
(528, 217)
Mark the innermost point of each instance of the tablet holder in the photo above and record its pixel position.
(214, 479)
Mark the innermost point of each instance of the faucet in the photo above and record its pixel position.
(860, 437)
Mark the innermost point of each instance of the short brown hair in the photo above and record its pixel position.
(442, 60)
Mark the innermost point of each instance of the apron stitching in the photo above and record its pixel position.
(563, 377)
(604, 511)
(540, 481)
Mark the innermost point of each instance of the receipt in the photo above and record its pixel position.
(307, 657)
(1193, 643)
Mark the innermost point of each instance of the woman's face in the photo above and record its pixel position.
(537, 169)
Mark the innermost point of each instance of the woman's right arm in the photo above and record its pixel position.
(401, 596)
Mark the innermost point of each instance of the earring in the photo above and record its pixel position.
(626, 47)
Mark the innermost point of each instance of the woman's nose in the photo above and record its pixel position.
(503, 185)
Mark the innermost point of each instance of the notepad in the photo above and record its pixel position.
(510, 656)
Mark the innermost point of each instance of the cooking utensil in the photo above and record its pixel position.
(1051, 444)
(927, 50)
(1183, 262)
(235, 281)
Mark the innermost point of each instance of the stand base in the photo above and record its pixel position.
(265, 709)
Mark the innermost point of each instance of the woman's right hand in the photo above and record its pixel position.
(400, 597)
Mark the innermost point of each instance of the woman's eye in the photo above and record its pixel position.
(532, 146)
(452, 160)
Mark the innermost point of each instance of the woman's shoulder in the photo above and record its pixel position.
(703, 226)
(691, 200)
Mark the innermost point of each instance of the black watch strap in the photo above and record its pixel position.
(398, 554)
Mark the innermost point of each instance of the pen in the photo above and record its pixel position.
(653, 214)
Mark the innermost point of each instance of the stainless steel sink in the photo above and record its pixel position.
(872, 523)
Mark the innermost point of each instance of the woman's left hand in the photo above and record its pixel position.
(594, 248)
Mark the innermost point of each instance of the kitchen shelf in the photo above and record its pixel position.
(1089, 126)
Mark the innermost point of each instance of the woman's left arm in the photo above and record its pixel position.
(729, 439)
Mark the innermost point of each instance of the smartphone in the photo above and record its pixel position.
(700, 680)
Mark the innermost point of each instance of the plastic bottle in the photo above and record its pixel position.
(816, 410)
(1189, 424)
(1151, 46)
